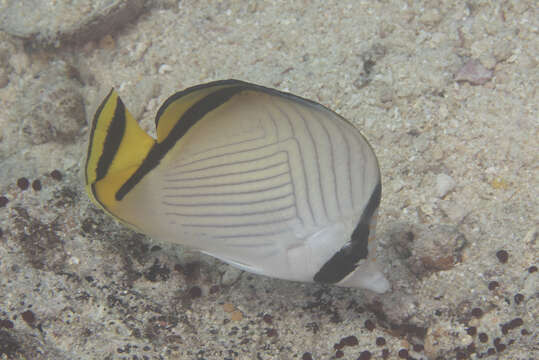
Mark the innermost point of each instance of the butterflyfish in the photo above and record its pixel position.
(264, 180)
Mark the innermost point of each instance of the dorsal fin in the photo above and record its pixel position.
(176, 105)
(116, 149)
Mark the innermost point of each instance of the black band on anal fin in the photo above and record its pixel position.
(344, 261)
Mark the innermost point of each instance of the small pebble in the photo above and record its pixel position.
(519, 298)
(502, 256)
(339, 354)
(29, 317)
(195, 292)
(477, 312)
(493, 285)
(4, 78)
(228, 307)
(236, 316)
(191, 269)
(531, 269)
(267, 318)
(271, 332)
(444, 184)
(513, 324)
(350, 340)
(107, 42)
(380, 341)
(36, 185)
(3, 201)
(164, 68)
(472, 331)
(483, 337)
(56, 175)
(474, 72)
(7, 324)
(498, 345)
(365, 355)
(369, 325)
(230, 276)
(307, 356)
(403, 353)
(23, 183)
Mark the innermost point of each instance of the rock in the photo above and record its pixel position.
(51, 107)
(437, 248)
(444, 184)
(443, 338)
(474, 72)
(47, 23)
(17, 344)
(4, 78)
(431, 17)
(230, 276)
(428, 249)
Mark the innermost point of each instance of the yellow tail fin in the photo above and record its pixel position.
(117, 147)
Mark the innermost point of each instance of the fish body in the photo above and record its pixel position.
(264, 180)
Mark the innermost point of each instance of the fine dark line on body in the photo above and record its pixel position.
(272, 119)
(355, 153)
(300, 159)
(348, 163)
(218, 156)
(230, 193)
(270, 222)
(229, 145)
(263, 136)
(269, 233)
(332, 159)
(224, 215)
(231, 203)
(226, 184)
(225, 164)
(261, 245)
(226, 174)
(317, 161)
(294, 191)
(363, 161)
(224, 146)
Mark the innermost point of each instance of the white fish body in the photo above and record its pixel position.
(266, 181)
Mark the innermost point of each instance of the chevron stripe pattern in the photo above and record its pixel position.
(265, 167)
